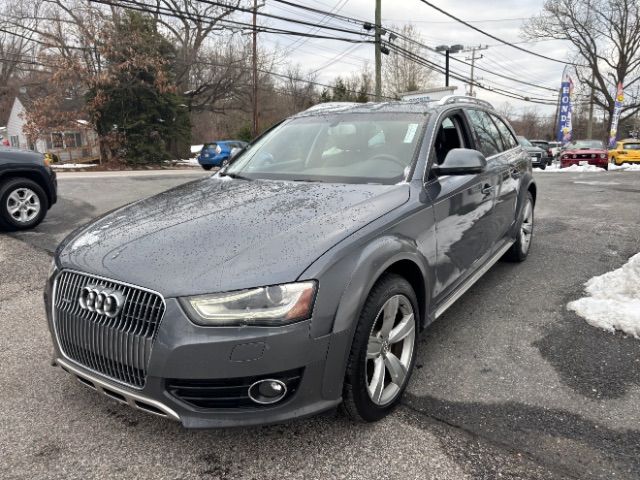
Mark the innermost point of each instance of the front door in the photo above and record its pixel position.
(462, 208)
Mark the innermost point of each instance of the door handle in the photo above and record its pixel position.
(487, 189)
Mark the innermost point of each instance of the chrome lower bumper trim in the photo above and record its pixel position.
(134, 400)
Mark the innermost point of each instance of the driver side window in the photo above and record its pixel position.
(450, 135)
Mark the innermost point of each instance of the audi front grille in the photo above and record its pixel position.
(118, 345)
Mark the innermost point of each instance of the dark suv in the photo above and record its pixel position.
(348, 229)
(28, 188)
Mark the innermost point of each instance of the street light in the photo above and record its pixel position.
(448, 50)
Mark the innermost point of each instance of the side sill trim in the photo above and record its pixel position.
(473, 279)
(134, 400)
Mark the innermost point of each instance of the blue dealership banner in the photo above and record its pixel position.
(565, 128)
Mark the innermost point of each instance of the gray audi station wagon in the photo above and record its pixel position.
(299, 277)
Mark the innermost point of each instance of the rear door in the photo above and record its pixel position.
(489, 141)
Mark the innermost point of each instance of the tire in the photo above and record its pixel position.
(613, 160)
(606, 167)
(542, 166)
(33, 211)
(207, 167)
(369, 360)
(520, 249)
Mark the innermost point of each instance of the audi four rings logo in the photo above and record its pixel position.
(101, 300)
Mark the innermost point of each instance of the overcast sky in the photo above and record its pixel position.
(502, 18)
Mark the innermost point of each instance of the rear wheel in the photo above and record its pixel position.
(383, 350)
(23, 204)
(542, 166)
(520, 249)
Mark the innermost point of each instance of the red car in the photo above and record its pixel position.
(584, 152)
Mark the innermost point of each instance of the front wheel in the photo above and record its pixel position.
(207, 167)
(542, 166)
(383, 350)
(23, 204)
(520, 249)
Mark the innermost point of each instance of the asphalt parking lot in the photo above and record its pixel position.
(509, 384)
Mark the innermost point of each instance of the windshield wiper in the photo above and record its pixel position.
(235, 175)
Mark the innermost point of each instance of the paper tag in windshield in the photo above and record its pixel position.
(411, 132)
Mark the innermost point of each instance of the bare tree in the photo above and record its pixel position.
(402, 74)
(606, 38)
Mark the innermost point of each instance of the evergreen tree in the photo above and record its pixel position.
(136, 102)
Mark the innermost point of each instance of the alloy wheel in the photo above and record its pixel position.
(23, 205)
(390, 350)
(526, 229)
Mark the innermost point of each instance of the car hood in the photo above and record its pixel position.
(588, 151)
(534, 149)
(219, 234)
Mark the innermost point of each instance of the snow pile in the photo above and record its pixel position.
(196, 148)
(635, 167)
(614, 301)
(572, 169)
(73, 165)
(188, 161)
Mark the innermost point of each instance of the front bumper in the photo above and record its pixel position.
(213, 161)
(597, 162)
(183, 351)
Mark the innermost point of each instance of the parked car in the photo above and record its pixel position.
(338, 251)
(546, 146)
(539, 156)
(626, 151)
(555, 149)
(218, 154)
(28, 188)
(584, 152)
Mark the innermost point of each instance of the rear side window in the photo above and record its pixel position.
(487, 134)
(508, 140)
(212, 146)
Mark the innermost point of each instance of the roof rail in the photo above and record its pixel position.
(331, 106)
(463, 99)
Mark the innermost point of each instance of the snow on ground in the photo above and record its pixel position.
(628, 168)
(614, 300)
(555, 168)
(73, 165)
(572, 169)
(188, 161)
(196, 148)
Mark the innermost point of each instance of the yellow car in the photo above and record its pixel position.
(626, 151)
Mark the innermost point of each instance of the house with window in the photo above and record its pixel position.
(77, 143)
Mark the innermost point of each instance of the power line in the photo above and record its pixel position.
(498, 39)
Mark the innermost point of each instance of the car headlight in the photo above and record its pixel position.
(264, 306)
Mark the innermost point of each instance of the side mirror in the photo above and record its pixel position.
(461, 161)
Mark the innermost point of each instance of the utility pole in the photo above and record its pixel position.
(473, 59)
(254, 127)
(378, 42)
(591, 101)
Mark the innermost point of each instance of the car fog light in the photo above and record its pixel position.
(266, 392)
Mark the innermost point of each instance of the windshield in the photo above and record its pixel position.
(340, 148)
(524, 142)
(585, 144)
